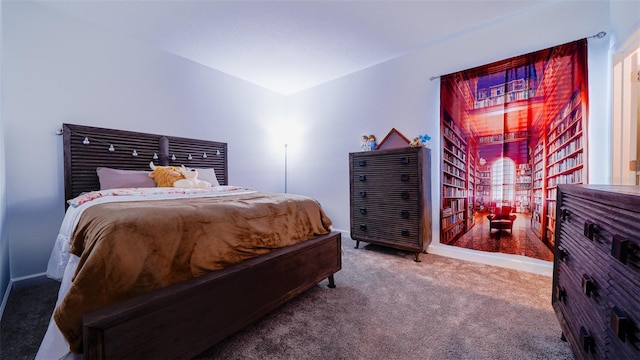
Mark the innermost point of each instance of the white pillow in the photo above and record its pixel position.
(208, 175)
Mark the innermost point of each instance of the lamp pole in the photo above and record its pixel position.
(285, 168)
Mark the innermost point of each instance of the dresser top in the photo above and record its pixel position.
(403, 150)
(623, 196)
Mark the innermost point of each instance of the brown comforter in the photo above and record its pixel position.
(130, 248)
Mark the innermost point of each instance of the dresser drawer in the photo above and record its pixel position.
(403, 233)
(395, 212)
(584, 334)
(602, 224)
(391, 190)
(585, 306)
(622, 320)
(397, 197)
(385, 163)
(384, 181)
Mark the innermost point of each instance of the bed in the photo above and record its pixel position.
(176, 318)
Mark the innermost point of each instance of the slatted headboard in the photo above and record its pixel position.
(87, 148)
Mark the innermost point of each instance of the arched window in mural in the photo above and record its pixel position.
(503, 179)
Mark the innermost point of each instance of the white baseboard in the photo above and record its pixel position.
(509, 261)
(30, 280)
(5, 298)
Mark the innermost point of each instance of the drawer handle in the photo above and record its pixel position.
(362, 162)
(620, 248)
(589, 229)
(363, 194)
(363, 227)
(404, 214)
(363, 211)
(362, 178)
(404, 232)
(586, 340)
(561, 294)
(618, 323)
(404, 195)
(588, 286)
(404, 160)
(565, 214)
(564, 255)
(404, 177)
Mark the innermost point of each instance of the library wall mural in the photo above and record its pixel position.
(511, 132)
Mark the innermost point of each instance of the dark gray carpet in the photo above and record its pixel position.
(25, 320)
(385, 306)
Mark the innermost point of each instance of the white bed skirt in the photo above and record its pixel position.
(54, 346)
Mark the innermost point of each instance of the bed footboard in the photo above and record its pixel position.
(185, 319)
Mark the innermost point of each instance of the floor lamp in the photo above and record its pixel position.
(285, 168)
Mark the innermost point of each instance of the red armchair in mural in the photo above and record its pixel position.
(501, 219)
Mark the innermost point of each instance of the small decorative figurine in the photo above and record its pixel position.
(420, 140)
(425, 140)
(368, 143)
(364, 146)
(372, 142)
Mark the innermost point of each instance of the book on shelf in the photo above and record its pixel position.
(500, 138)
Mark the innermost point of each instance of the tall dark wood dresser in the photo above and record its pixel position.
(391, 198)
(596, 274)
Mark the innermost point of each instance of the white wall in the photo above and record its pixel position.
(399, 94)
(625, 21)
(60, 70)
(599, 129)
(5, 274)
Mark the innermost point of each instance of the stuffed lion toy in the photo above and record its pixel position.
(165, 176)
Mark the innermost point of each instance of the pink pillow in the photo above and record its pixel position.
(116, 178)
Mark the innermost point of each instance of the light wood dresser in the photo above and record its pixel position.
(596, 275)
(391, 198)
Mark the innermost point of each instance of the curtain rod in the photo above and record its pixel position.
(599, 35)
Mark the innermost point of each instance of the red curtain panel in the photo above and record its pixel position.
(511, 131)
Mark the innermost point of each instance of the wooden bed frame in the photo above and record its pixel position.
(185, 319)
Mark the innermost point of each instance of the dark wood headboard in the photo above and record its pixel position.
(82, 157)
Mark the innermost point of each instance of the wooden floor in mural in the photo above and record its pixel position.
(521, 242)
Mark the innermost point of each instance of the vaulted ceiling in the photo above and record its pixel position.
(288, 46)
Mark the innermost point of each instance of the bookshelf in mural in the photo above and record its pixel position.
(454, 180)
(471, 186)
(523, 188)
(504, 137)
(483, 187)
(502, 93)
(538, 182)
(564, 162)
